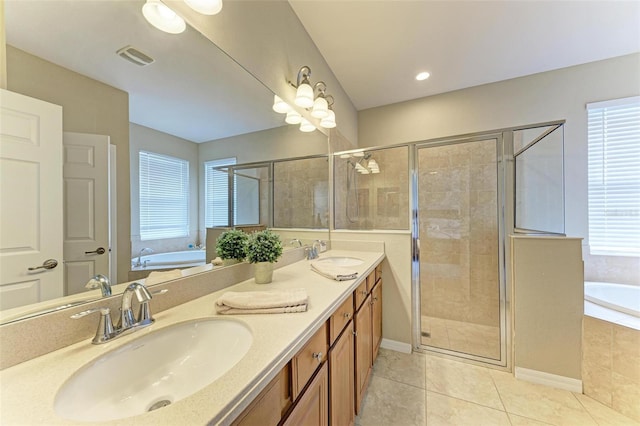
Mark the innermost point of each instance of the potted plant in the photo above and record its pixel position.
(264, 248)
(232, 246)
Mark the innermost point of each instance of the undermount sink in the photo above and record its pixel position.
(341, 261)
(154, 370)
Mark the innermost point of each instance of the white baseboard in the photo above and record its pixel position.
(548, 379)
(394, 345)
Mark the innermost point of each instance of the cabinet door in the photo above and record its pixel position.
(363, 350)
(268, 407)
(308, 360)
(341, 379)
(313, 407)
(376, 319)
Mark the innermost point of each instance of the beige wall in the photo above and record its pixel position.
(548, 305)
(554, 95)
(269, 41)
(145, 139)
(88, 107)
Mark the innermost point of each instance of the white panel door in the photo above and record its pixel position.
(86, 209)
(30, 200)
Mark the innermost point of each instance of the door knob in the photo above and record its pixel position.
(99, 250)
(47, 264)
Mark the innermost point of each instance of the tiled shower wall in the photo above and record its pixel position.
(301, 193)
(610, 365)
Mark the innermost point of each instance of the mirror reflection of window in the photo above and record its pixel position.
(164, 196)
(216, 192)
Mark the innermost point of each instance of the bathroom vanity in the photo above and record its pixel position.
(304, 367)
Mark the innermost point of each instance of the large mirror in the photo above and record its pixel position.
(192, 103)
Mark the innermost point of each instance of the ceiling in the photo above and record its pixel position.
(375, 48)
(193, 90)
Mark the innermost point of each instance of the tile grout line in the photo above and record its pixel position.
(584, 407)
(397, 381)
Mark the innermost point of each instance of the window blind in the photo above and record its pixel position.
(614, 177)
(217, 192)
(164, 196)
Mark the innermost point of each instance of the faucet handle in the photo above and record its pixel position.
(144, 314)
(105, 329)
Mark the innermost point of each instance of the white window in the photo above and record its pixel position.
(217, 192)
(164, 196)
(614, 177)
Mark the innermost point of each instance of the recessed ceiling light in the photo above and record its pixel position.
(422, 76)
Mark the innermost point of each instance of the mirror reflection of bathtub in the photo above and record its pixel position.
(157, 262)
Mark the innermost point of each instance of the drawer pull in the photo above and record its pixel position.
(375, 299)
(355, 333)
(317, 355)
(347, 315)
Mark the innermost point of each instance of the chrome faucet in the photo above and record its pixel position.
(128, 322)
(294, 241)
(102, 282)
(143, 251)
(317, 247)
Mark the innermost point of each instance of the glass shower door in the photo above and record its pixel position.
(458, 216)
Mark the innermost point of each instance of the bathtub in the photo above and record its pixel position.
(180, 259)
(619, 297)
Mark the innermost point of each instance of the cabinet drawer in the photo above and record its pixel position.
(378, 272)
(340, 318)
(310, 357)
(360, 294)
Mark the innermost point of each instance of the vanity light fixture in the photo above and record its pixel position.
(306, 126)
(329, 121)
(162, 17)
(304, 91)
(293, 117)
(280, 106)
(320, 105)
(206, 7)
(422, 76)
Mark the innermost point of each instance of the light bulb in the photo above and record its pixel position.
(279, 105)
(304, 96)
(293, 117)
(329, 122)
(306, 126)
(206, 7)
(320, 108)
(422, 76)
(160, 16)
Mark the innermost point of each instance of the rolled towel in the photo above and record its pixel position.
(263, 302)
(337, 273)
(156, 277)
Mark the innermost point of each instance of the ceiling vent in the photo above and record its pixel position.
(135, 56)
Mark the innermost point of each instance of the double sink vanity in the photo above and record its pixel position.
(193, 366)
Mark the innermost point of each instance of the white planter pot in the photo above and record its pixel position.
(263, 272)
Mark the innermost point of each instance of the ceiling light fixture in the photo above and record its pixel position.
(329, 122)
(162, 17)
(206, 7)
(293, 117)
(422, 76)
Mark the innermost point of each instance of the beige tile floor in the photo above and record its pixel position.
(422, 389)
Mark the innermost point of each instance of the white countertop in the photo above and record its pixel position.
(27, 390)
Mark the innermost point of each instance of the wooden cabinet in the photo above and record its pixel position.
(313, 407)
(271, 404)
(363, 354)
(341, 379)
(376, 319)
(308, 359)
(325, 381)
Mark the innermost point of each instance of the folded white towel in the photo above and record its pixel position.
(263, 302)
(337, 273)
(156, 277)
